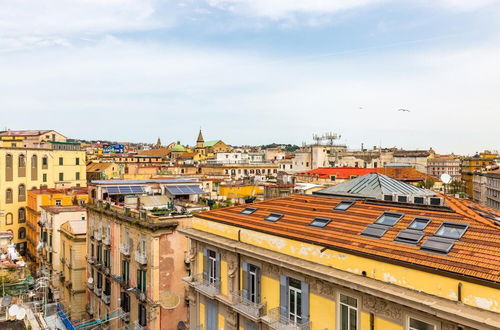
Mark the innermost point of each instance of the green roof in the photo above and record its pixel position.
(210, 143)
(178, 147)
(61, 142)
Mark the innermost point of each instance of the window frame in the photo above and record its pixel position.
(421, 318)
(326, 222)
(339, 311)
(416, 219)
(401, 216)
(278, 215)
(351, 203)
(250, 211)
(450, 223)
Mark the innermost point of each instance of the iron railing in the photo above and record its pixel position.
(281, 321)
(242, 304)
(209, 287)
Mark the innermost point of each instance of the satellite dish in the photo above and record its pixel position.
(90, 280)
(445, 178)
(13, 310)
(21, 313)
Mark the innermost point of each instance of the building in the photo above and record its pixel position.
(479, 187)
(208, 149)
(73, 280)
(22, 168)
(52, 258)
(349, 258)
(438, 165)
(47, 197)
(493, 189)
(136, 257)
(29, 138)
(103, 171)
(474, 164)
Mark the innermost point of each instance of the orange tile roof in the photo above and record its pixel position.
(475, 255)
(398, 173)
(160, 152)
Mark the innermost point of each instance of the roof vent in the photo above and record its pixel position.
(388, 198)
(419, 200)
(402, 199)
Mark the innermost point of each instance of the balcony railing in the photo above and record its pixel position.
(89, 310)
(208, 287)
(106, 298)
(125, 249)
(125, 316)
(280, 321)
(91, 260)
(141, 258)
(245, 306)
(97, 291)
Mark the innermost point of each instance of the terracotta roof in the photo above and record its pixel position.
(60, 209)
(98, 167)
(187, 155)
(24, 132)
(474, 255)
(400, 173)
(155, 152)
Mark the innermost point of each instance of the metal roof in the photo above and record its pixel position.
(129, 182)
(374, 185)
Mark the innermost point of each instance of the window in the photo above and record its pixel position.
(9, 219)
(107, 287)
(402, 199)
(295, 300)
(248, 210)
(21, 193)
(333, 178)
(419, 223)
(344, 205)
(125, 302)
(320, 222)
(21, 215)
(8, 196)
(45, 162)
(125, 271)
(99, 253)
(77, 176)
(415, 324)
(251, 282)
(44, 177)
(22, 233)
(107, 257)
(389, 219)
(61, 161)
(8, 168)
(451, 230)
(273, 217)
(61, 176)
(141, 280)
(409, 236)
(77, 161)
(211, 314)
(348, 312)
(212, 267)
(22, 161)
(58, 202)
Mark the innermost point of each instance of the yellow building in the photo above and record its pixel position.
(105, 170)
(347, 263)
(472, 164)
(208, 149)
(73, 276)
(239, 192)
(22, 168)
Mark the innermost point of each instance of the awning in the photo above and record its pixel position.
(154, 201)
(184, 190)
(124, 190)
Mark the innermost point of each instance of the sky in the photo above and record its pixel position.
(254, 72)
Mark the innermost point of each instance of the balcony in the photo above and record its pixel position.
(125, 249)
(141, 258)
(125, 316)
(97, 291)
(208, 287)
(278, 321)
(245, 306)
(106, 298)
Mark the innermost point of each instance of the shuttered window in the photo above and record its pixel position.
(294, 299)
(251, 282)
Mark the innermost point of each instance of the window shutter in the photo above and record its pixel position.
(283, 296)
(217, 266)
(244, 279)
(205, 264)
(305, 301)
(258, 285)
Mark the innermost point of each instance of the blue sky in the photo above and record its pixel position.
(255, 72)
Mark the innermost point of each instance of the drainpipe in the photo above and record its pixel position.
(238, 286)
(460, 292)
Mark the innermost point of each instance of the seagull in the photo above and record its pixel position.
(404, 110)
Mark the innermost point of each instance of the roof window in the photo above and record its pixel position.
(451, 230)
(389, 218)
(374, 231)
(419, 223)
(320, 222)
(248, 210)
(273, 217)
(344, 205)
(409, 236)
(438, 245)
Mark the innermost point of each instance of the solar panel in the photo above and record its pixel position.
(374, 230)
(273, 217)
(438, 245)
(248, 210)
(409, 236)
(137, 189)
(320, 222)
(184, 190)
(112, 190)
(344, 205)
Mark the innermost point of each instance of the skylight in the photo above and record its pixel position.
(320, 222)
(389, 219)
(344, 205)
(273, 217)
(451, 230)
(438, 245)
(419, 223)
(248, 210)
(374, 231)
(409, 236)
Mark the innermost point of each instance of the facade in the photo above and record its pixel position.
(135, 264)
(47, 165)
(73, 250)
(47, 197)
(208, 149)
(493, 189)
(474, 164)
(29, 138)
(479, 187)
(106, 170)
(51, 256)
(438, 165)
(340, 262)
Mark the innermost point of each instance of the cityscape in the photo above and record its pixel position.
(250, 165)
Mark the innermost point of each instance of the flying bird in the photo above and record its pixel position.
(404, 110)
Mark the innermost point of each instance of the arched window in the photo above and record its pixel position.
(9, 219)
(21, 197)
(8, 196)
(22, 233)
(34, 167)
(21, 165)
(21, 218)
(9, 171)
